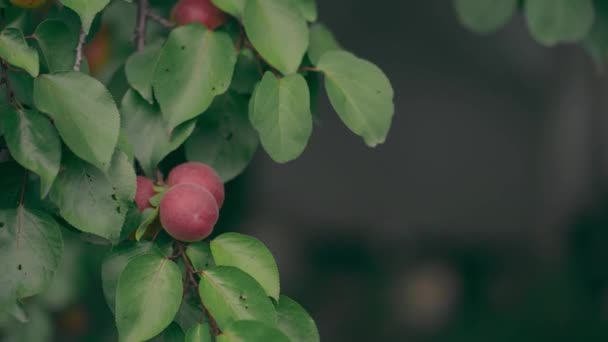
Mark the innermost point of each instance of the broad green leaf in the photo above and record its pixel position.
(92, 201)
(15, 51)
(246, 72)
(308, 8)
(39, 327)
(224, 138)
(251, 331)
(190, 312)
(57, 42)
(30, 250)
(148, 133)
(148, 296)
(116, 261)
(361, 94)
(232, 7)
(232, 295)
(280, 112)
(295, 322)
(322, 40)
(34, 143)
(147, 218)
(251, 256)
(194, 66)
(559, 21)
(278, 31)
(86, 9)
(139, 69)
(22, 85)
(484, 16)
(199, 333)
(200, 256)
(83, 112)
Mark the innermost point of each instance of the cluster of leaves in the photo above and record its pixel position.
(550, 22)
(75, 153)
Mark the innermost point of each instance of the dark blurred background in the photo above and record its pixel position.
(484, 217)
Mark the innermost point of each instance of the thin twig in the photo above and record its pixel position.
(160, 20)
(79, 47)
(140, 28)
(306, 68)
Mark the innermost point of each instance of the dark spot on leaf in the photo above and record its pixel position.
(183, 47)
(378, 92)
(167, 70)
(242, 297)
(246, 307)
(118, 209)
(114, 197)
(19, 267)
(1, 224)
(212, 88)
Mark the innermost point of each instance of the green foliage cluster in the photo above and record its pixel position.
(550, 22)
(77, 142)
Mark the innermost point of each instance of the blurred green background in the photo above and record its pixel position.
(484, 217)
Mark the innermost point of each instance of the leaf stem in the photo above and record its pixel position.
(306, 68)
(79, 47)
(140, 28)
(160, 20)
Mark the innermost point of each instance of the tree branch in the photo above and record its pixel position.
(140, 28)
(79, 47)
(160, 20)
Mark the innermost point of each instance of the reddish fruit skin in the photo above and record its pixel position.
(198, 11)
(29, 3)
(199, 174)
(98, 50)
(145, 191)
(188, 212)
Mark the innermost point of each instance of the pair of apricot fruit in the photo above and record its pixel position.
(190, 208)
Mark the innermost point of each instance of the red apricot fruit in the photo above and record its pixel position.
(199, 174)
(98, 50)
(145, 191)
(188, 212)
(198, 11)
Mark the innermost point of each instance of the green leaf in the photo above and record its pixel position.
(116, 261)
(84, 113)
(295, 322)
(148, 133)
(251, 331)
(195, 65)
(38, 328)
(361, 94)
(148, 296)
(200, 256)
(484, 16)
(57, 42)
(15, 51)
(34, 143)
(190, 312)
(246, 72)
(559, 21)
(172, 334)
(308, 8)
(86, 9)
(22, 85)
(199, 333)
(322, 40)
(148, 217)
(30, 250)
(250, 256)
(139, 69)
(278, 31)
(280, 112)
(224, 138)
(232, 295)
(92, 201)
(232, 7)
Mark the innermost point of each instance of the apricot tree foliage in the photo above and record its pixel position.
(88, 155)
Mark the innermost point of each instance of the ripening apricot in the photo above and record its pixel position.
(198, 11)
(188, 212)
(98, 50)
(199, 174)
(29, 3)
(145, 191)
